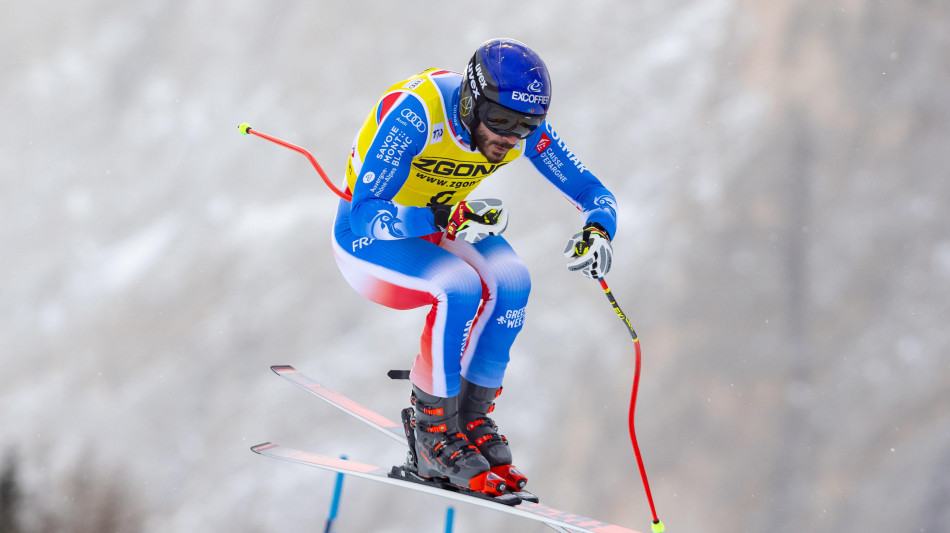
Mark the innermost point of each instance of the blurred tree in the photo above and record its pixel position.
(9, 497)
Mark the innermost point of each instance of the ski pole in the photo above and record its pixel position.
(449, 519)
(335, 502)
(245, 129)
(657, 524)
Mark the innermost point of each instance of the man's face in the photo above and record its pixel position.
(491, 145)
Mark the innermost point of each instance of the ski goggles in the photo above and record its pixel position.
(507, 122)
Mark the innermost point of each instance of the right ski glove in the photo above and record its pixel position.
(471, 220)
(590, 251)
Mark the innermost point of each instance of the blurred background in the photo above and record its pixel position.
(783, 251)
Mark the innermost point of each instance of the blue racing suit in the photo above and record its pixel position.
(411, 153)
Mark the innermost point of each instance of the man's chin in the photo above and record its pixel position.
(492, 155)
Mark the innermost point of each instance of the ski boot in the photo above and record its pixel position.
(440, 452)
(475, 402)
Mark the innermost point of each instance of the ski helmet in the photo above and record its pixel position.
(506, 87)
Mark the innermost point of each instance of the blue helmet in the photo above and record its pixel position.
(506, 87)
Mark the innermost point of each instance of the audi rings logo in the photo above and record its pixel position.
(535, 86)
(413, 119)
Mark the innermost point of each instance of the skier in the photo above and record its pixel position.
(410, 237)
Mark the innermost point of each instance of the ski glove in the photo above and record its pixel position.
(590, 251)
(471, 220)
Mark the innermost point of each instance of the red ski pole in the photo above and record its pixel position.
(245, 128)
(657, 525)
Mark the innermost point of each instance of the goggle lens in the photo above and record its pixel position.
(506, 122)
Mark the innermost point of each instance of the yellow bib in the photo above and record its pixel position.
(446, 170)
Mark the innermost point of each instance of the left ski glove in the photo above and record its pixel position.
(471, 220)
(590, 251)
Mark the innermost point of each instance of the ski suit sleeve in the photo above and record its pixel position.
(547, 152)
(402, 134)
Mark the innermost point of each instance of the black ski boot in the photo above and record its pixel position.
(475, 402)
(439, 450)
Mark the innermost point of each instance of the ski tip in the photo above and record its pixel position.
(282, 369)
(261, 447)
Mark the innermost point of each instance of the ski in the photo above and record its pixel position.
(400, 475)
(558, 520)
(375, 420)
